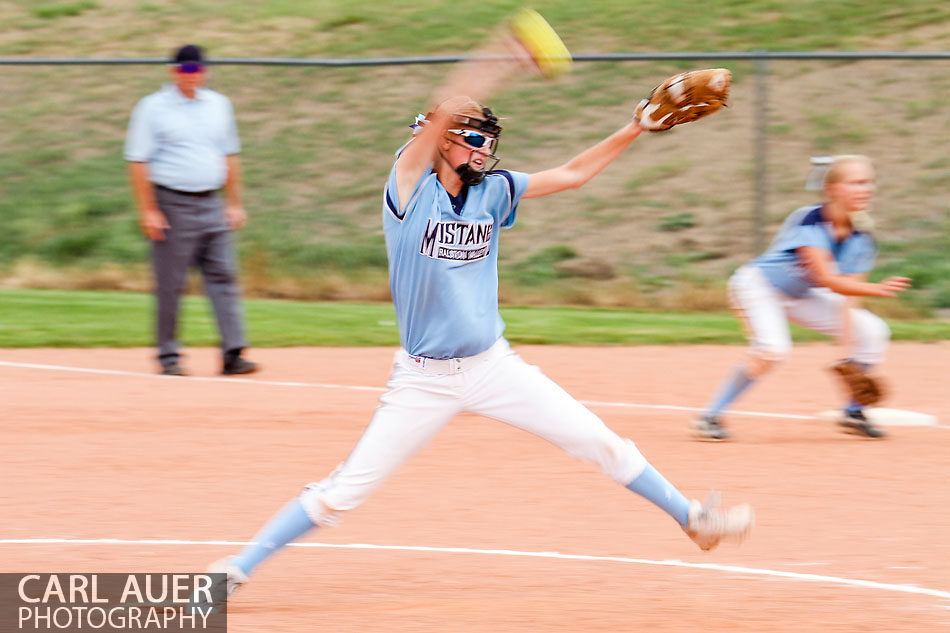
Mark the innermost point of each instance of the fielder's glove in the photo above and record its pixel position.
(866, 390)
(683, 98)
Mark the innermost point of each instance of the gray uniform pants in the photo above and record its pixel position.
(198, 237)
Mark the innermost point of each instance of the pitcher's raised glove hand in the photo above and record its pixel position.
(683, 98)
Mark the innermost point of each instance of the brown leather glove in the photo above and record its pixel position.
(683, 98)
(865, 389)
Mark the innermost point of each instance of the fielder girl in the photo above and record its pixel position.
(442, 210)
(810, 275)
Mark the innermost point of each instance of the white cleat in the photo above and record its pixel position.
(709, 523)
(234, 578)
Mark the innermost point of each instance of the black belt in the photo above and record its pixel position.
(193, 194)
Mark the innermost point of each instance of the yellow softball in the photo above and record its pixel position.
(541, 41)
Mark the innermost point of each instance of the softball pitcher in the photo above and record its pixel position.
(810, 275)
(442, 210)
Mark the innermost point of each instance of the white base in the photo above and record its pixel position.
(886, 417)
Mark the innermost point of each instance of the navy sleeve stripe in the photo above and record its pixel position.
(813, 216)
(511, 186)
(392, 206)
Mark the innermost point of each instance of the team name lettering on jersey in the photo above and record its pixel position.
(457, 241)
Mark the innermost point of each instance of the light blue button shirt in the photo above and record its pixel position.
(184, 141)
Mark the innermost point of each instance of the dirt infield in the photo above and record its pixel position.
(852, 535)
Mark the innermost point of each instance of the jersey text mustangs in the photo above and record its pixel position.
(457, 241)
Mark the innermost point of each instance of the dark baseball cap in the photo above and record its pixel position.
(189, 54)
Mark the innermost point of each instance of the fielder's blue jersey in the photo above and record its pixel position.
(443, 263)
(806, 227)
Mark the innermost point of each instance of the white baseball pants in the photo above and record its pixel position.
(766, 312)
(424, 394)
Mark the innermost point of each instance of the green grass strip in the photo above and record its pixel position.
(58, 318)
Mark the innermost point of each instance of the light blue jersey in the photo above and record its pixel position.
(184, 141)
(443, 263)
(805, 227)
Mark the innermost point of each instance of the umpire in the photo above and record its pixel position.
(182, 148)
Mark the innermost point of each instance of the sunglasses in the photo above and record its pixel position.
(476, 139)
(189, 69)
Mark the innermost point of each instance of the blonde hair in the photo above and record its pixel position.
(471, 108)
(836, 171)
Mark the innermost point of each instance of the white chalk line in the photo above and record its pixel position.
(734, 569)
(319, 385)
(139, 374)
(554, 555)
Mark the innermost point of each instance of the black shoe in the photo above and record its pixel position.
(855, 422)
(237, 365)
(174, 369)
(709, 427)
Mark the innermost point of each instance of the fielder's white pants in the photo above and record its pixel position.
(766, 312)
(424, 394)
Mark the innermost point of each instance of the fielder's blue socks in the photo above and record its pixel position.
(652, 486)
(291, 522)
(730, 390)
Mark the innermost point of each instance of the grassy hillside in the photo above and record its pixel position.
(662, 227)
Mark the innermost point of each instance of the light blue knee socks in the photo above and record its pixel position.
(652, 486)
(289, 523)
(731, 389)
(292, 521)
